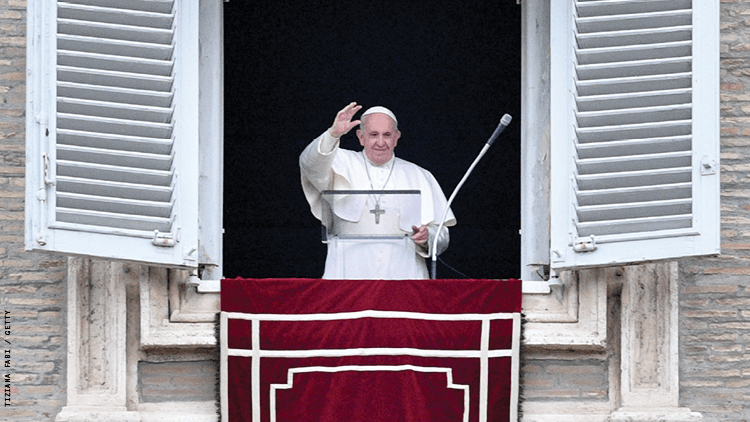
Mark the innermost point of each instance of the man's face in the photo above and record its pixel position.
(379, 137)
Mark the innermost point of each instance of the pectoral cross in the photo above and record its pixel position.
(377, 211)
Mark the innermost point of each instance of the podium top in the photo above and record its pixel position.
(370, 214)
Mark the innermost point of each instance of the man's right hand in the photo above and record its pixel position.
(343, 123)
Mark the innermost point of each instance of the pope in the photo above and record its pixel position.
(325, 166)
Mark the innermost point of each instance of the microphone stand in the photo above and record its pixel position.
(433, 252)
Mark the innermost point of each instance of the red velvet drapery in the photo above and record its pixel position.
(370, 350)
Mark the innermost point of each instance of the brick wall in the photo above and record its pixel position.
(32, 288)
(715, 293)
(715, 341)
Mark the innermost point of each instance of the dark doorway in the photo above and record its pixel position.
(448, 70)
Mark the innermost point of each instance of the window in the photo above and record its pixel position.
(634, 131)
(113, 124)
(124, 126)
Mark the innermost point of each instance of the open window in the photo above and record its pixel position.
(634, 119)
(117, 135)
(124, 132)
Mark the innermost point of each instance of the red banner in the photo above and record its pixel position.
(369, 350)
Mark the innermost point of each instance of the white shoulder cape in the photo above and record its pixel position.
(349, 173)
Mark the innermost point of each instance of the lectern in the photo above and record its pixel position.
(367, 231)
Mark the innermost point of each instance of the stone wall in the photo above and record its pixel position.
(192, 381)
(32, 289)
(565, 377)
(715, 293)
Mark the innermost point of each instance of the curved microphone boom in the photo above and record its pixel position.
(504, 122)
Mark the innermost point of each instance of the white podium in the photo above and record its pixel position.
(376, 224)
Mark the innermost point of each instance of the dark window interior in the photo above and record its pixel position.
(448, 71)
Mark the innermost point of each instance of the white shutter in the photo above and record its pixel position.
(112, 129)
(635, 130)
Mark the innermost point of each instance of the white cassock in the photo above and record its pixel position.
(324, 166)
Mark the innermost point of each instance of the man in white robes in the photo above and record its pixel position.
(325, 166)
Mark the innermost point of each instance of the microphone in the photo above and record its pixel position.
(504, 121)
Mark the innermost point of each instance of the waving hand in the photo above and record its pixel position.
(343, 122)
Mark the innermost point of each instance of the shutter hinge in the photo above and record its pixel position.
(41, 237)
(585, 246)
(556, 285)
(708, 166)
(191, 255)
(163, 239)
(48, 181)
(41, 118)
(41, 195)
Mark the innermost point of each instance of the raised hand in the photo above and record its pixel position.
(343, 122)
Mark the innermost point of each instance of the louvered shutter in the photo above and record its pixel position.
(112, 129)
(635, 130)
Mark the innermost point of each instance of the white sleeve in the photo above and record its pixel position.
(316, 160)
(443, 240)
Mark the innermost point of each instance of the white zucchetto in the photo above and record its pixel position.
(380, 109)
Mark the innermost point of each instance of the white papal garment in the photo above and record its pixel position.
(325, 166)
